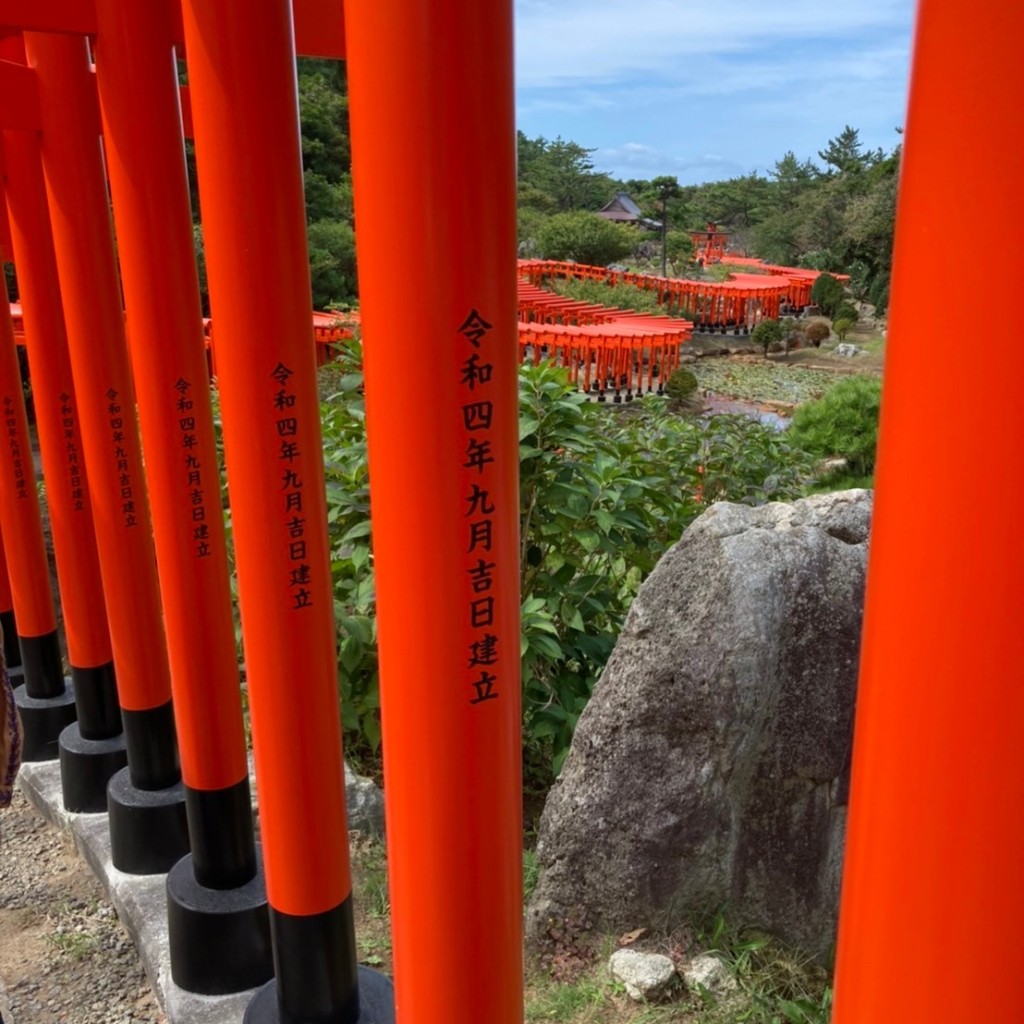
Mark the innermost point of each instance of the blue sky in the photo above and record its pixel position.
(709, 89)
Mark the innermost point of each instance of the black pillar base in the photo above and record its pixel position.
(148, 827)
(99, 714)
(86, 766)
(376, 1004)
(219, 938)
(9, 629)
(43, 719)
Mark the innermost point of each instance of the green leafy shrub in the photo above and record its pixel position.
(842, 424)
(847, 311)
(679, 247)
(681, 384)
(827, 294)
(878, 295)
(842, 328)
(602, 498)
(624, 296)
(817, 331)
(585, 238)
(766, 334)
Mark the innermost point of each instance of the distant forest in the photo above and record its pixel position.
(835, 216)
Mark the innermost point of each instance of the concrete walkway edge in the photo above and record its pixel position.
(140, 902)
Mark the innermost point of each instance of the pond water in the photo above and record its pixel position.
(720, 405)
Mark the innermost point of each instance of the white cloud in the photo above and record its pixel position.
(707, 89)
(602, 41)
(637, 159)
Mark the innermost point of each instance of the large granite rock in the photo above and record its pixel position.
(711, 766)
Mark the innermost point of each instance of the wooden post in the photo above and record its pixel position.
(241, 66)
(935, 842)
(217, 911)
(146, 801)
(444, 488)
(45, 703)
(91, 749)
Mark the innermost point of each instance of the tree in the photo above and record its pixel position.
(564, 172)
(843, 152)
(766, 334)
(827, 294)
(585, 238)
(323, 109)
(332, 262)
(791, 179)
(679, 246)
(529, 223)
(11, 281)
(665, 187)
(326, 199)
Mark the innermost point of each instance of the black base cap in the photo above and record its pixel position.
(43, 720)
(86, 766)
(376, 1004)
(148, 827)
(219, 938)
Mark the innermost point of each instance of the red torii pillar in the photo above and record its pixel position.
(931, 888)
(8, 623)
(242, 79)
(444, 490)
(217, 910)
(148, 830)
(45, 703)
(91, 749)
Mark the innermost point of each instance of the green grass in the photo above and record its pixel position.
(579, 1002)
(76, 945)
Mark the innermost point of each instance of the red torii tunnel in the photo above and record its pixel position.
(738, 303)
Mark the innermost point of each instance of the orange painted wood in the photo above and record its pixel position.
(244, 107)
(28, 569)
(935, 839)
(57, 419)
(444, 489)
(91, 294)
(137, 78)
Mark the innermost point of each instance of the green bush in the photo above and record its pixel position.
(679, 247)
(817, 331)
(843, 423)
(842, 328)
(585, 238)
(681, 385)
(847, 311)
(878, 295)
(827, 294)
(602, 498)
(766, 334)
(624, 296)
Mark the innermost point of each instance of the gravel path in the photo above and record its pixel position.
(64, 957)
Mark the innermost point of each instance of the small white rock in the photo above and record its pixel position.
(708, 972)
(645, 975)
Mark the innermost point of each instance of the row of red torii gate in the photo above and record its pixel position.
(149, 727)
